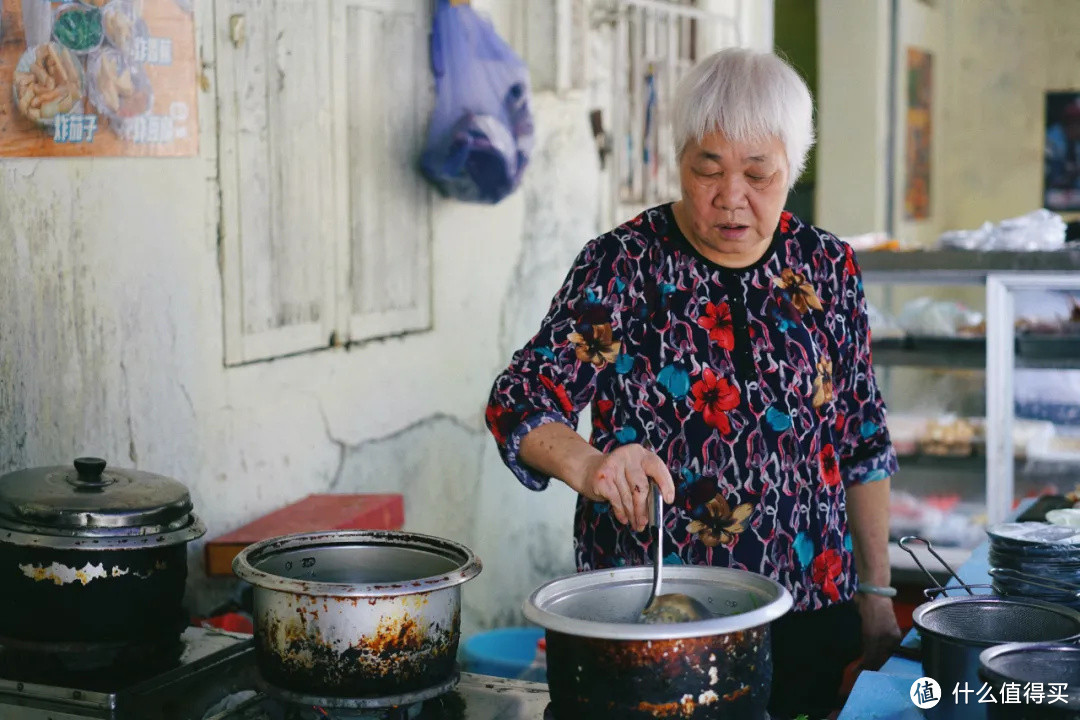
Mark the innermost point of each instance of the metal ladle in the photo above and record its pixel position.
(673, 607)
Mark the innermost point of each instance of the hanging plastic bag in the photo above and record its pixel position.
(481, 130)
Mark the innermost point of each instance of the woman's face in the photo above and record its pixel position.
(733, 194)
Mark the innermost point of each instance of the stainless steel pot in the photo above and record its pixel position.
(355, 614)
(89, 555)
(604, 665)
(954, 630)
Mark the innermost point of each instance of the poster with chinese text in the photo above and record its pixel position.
(97, 78)
(917, 154)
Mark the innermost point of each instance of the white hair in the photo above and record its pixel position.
(747, 96)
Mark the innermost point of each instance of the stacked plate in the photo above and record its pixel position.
(1036, 560)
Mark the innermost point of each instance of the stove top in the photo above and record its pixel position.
(476, 697)
(214, 677)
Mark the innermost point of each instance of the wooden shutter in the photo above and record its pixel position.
(274, 85)
(383, 88)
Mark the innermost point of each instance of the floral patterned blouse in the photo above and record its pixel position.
(754, 386)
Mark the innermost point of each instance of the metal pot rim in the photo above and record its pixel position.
(992, 675)
(542, 597)
(27, 536)
(244, 564)
(919, 612)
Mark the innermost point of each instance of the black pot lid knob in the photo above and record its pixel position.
(90, 469)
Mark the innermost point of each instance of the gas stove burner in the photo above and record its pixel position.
(94, 665)
(361, 708)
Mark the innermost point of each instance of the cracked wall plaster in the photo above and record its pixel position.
(111, 345)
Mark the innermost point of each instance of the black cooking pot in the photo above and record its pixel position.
(89, 556)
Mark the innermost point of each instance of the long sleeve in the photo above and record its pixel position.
(554, 376)
(865, 449)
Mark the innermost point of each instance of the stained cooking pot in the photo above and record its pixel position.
(90, 555)
(604, 665)
(356, 614)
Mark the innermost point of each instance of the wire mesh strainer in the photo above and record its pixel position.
(990, 620)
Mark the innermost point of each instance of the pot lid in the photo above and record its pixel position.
(87, 497)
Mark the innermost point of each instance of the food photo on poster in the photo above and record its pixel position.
(97, 77)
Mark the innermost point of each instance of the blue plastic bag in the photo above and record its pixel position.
(481, 130)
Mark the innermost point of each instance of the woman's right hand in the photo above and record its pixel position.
(621, 478)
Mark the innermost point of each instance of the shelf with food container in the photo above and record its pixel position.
(978, 354)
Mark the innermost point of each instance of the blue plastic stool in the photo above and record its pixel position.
(506, 652)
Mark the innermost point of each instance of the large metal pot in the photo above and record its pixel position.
(93, 556)
(356, 614)
(604, 665)
(954, 630)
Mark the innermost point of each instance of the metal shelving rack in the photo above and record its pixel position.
(999, 353)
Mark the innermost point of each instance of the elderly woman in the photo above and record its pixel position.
(724, 348)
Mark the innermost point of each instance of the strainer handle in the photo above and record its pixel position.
(1037, 580)
(908, 539)
(931, 593)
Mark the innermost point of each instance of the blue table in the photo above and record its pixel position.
(883, 695)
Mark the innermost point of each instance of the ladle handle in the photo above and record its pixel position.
(658, 521)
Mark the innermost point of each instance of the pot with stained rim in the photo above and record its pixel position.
(356, 614)
(93, 555)
(605, 665)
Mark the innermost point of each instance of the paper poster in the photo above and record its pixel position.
(917, 156)
(97, 78)
(1061, 164)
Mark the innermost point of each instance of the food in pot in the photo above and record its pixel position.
(51, 85)
(95, 3)
(78, 28)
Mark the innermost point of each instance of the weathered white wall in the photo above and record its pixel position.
(1004, 55)
(111, 345)
(852, 115)
(994, 60)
